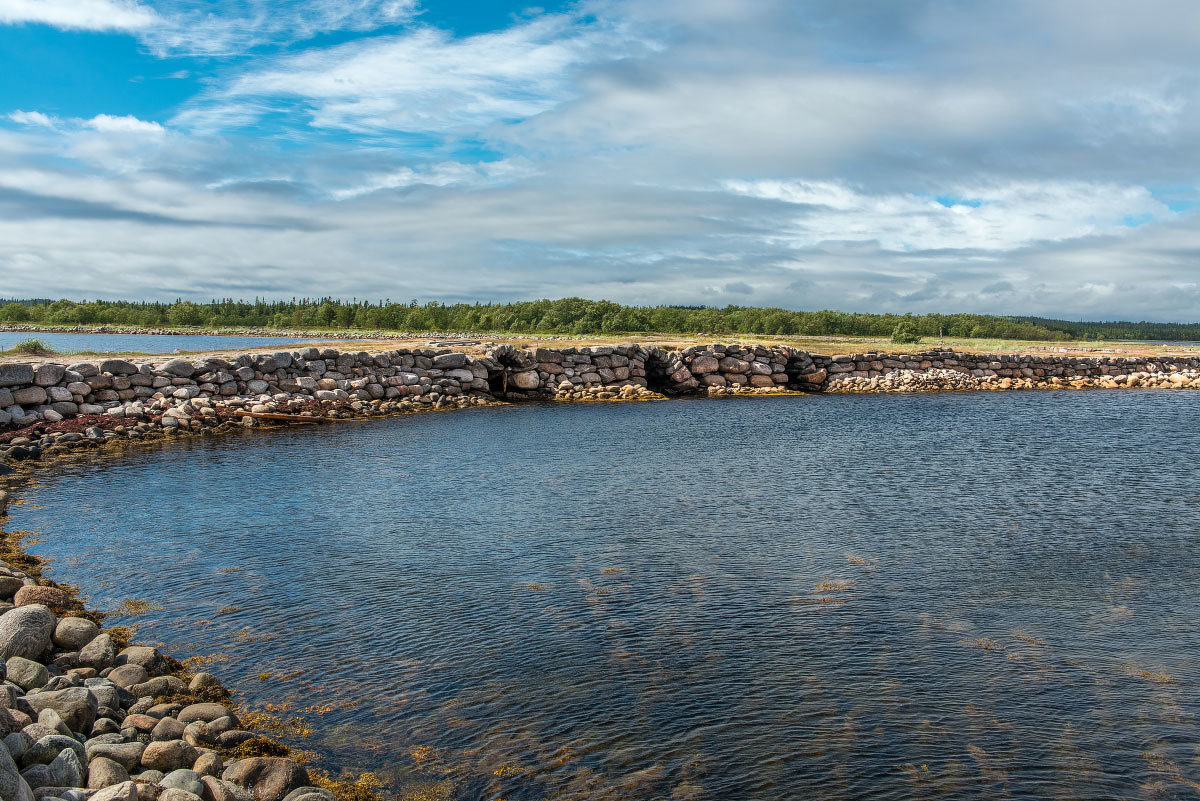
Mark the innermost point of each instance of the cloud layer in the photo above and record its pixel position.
(1026, 157)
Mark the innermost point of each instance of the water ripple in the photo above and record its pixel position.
(955, 596)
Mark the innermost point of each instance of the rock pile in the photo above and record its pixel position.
(84, 719)
(945, 370)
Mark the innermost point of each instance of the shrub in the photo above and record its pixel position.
(32, 347)
(905, 333)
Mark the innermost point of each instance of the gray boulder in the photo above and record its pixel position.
(9, 585)
(37, 776)
(221, 790)
(17, 743)
(118, 367)
(76, 706)
(184, 779)
(104, 772)
(50, 718)
(67, 769)
(167, 729)
(310, 794)
(26, 631)
(25, 673)
(47, 749)
(178, 367)
(175, 794)
(143, 655)
(12, 375)
(72, 633)
(268, 778)
(127, 755)
(204, 712)
(10, 777)
(47, 375)
(100, 653)
(125, 791)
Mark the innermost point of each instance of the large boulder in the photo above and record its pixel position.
(72, 633)
(50, 746)
(449, 361)
(51, 597)
(127, 755)
(104, 772)
(183, 779)
(526, 380)
(175, 794)
(26, 631)
(178, 367)
(143, 655)
(29, 396)
(126, 676)
(100, 653)
(75, 705)
(10, 777)
(9, 585)
(220, 790)
(204, 712)
(169, 755)
(268, 778)
(12, 375)
(118, 367)
(310, 794)
(125, 791)
(25, 673)
(67, 770)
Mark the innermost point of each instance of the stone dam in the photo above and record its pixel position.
(182, 393)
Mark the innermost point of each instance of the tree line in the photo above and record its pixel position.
(565, 316)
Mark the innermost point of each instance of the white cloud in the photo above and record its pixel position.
(448, 173)
(224, 27)
(997, 217)
(125, 124)
(421, 81)
(643, 150)
(90, 15)
(31, 118)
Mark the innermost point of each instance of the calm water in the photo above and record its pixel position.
(141, 343)
(942, 596)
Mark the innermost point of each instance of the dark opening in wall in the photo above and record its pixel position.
(658, 373)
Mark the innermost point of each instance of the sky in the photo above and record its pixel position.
(1025, 157)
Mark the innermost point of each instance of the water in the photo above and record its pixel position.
(141, 343)
(935, 596)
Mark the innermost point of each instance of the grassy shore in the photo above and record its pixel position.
(372, 340)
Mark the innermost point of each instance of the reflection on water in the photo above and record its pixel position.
(956, 596)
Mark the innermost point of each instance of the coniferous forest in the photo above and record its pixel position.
(569, 316)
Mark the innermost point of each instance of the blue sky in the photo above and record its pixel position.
(1024, 157)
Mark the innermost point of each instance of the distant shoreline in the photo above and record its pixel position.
(822, 344)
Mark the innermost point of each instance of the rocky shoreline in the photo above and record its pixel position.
(86, 715)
